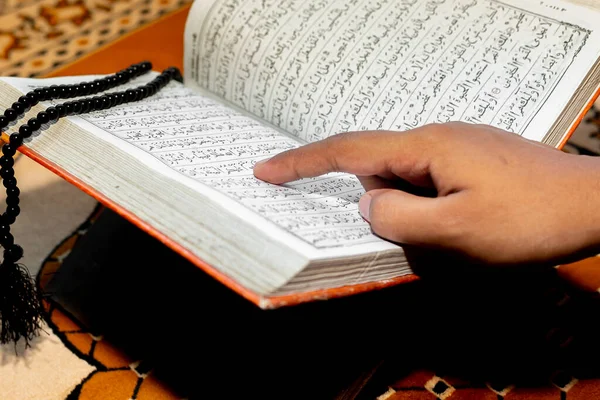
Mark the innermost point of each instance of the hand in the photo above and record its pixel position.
(497, 198)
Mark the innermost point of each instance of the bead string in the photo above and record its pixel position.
(52, 114)
(20, 306)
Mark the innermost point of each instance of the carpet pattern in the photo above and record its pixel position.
(39, 36)
(114, 374)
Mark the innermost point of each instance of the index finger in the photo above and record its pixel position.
(364, 153)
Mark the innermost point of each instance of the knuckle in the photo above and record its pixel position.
(333, 147)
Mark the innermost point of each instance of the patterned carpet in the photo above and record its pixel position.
(115, 375)
(452, 343)
(39, 36)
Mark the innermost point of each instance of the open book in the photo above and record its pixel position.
(263, 76)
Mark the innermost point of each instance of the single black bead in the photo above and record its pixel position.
(131, 95)
(9, 182)
(68, 107)
(34, 124)
(91, 104)
(3, 122)
(40, 94)
(25, 131)
(146, 66)
(78, 90)
(112, 100)
(24, 100)
(77, 106)
(9, 149)
(106, 102)
(85, 105)
(43, 117)
(121, 77)
(16, 139)
(13, 210)
(10, 114)
(14, 252)
(93, 87)
(122, 97)
(7, 240)
(6, 223)
(12, 201)
(54, 91)
(97, 103)
(33, 98)
(4, 228)
(62, 110)
(18, 107)
(6, 161)
(52, 113)
(108, 81)
(6, 173)
(85, 88)
(13, 191)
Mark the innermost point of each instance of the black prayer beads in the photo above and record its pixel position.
(52, 114)
(19, 307)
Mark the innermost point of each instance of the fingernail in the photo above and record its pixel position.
(364, 206)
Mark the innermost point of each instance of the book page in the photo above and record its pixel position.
(319, 67)
(210, 147)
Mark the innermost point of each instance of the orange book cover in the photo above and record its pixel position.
(147, 44)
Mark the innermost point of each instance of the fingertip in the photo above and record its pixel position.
(261, 162)
(260, 171)
(364, 206)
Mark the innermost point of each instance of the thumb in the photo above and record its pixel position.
(405, 218)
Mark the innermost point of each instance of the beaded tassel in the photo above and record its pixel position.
(20, 305)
